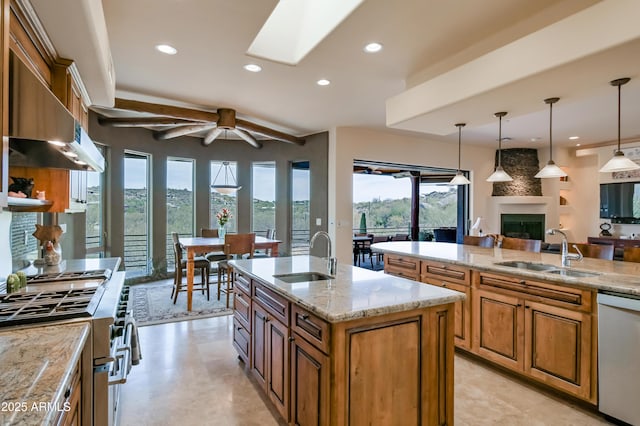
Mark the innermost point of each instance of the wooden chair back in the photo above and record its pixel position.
(175, 237)
(401, 237)
(208, 233)
(177, 254)
(631, 254)
(521, 244)
(380, 239)
(486, 241)
(271, 234)
(595, 251)
(239, 245)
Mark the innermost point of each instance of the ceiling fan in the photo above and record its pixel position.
(367, 170)
(186, 121)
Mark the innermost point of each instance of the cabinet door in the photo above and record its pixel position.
(259, 344)
(242, 308)
(278, 365)
(242, 341)
(558, 347)
(498, 328)
(309, 384)
(462, 309)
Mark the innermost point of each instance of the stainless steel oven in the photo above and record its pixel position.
(98, 296)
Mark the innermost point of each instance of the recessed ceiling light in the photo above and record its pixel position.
(578, 144)
(165, 48)
(373, 47)
(573, 138)
(536, 139)
(323, 82)
(253, 67)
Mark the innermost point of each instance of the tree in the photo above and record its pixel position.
(363, 223)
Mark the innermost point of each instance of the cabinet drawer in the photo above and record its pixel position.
(538, 291)
(409, 265)
(242, 308)
(241, 340)
(275, 304)
(443, 271)
(243, 283)
(312, 328)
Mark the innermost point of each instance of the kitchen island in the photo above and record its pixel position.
(361, 347)
(523, 310)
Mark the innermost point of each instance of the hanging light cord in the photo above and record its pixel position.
(550, 132)
(459, 126)
(619, 95)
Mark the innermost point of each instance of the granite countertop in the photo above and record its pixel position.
(353, 293)
(612, 275)
(75, 265)
(37, 365)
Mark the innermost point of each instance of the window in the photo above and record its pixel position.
(95, 236)
(438, 207)
(137, 214)
(300, 196)
(180, 202)
(264, 196)
(218, 200)
(381, 204)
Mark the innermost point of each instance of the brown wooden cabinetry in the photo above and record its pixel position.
(55, 183)
(402, 266)
(242, 316)
(71, 407)
(538, 329)
(459, 279)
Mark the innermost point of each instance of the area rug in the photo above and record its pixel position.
(152, 304)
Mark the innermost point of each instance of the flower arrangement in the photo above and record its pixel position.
(223, 216)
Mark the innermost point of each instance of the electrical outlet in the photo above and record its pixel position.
(63, 226)
(318, 221)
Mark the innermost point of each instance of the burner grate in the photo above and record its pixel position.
(69, 276)
(25, 308)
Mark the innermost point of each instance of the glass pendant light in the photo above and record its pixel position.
(499, 175)
(459, 178)
(619, 163)
(226, 187)
(551, 170)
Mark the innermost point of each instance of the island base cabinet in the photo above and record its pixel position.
(462, 328)
(399, 366)
(310, 375)
(270, 358)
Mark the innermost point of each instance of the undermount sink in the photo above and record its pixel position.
(573, 273)
(527, 265)
(546, 268)
(299, 277)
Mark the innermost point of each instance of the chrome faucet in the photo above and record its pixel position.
(566, 256)
(332, 262)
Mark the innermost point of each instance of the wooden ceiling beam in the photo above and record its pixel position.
(142, 121)
(182, 130)
(166, 110)
(270, 133)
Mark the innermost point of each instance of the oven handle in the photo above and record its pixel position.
(123, 353)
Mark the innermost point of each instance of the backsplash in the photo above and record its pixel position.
(24, 246)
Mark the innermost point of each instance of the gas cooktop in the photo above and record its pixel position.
(42, 306)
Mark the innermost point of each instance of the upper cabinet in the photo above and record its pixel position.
(61, 77)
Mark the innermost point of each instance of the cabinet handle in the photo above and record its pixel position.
(444, 284)
(238, 294)
(291, 339)
(518, 305)
(267, 319)
(304, 317)
(523, 282)
(527, 306)
(67, 394)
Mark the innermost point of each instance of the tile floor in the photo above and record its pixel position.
(190, 375)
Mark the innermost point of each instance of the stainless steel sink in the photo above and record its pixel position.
(573, 273)
(527, 265)
(299, 277)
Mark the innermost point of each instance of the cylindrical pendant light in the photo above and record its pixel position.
(499, 175)
(551, 170)
(459, 178)
(619, 163)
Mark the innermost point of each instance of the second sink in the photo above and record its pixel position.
(299, 277)
(527, 265)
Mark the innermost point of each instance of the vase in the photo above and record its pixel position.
(222, 231)
(52, 254)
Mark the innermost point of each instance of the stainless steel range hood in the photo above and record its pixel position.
(42, 132)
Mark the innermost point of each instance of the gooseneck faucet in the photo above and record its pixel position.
(332, 262)
(566, 256)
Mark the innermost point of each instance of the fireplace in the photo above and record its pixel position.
(530, 226)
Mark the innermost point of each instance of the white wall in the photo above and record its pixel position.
(585, 164)
(348, 143)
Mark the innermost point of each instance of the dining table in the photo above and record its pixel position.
(194, 245)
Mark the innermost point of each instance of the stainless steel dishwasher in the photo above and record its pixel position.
(619, 356)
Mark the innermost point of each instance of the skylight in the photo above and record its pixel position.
(295, 27)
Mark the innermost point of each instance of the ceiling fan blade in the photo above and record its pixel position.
(211, 136)
(182, 130)
(247, 137)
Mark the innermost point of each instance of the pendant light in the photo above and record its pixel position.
(551, 170)
(499, 175)
(619, 163)
(459, 178)
(225, 188)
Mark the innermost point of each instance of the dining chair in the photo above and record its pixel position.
(595, 251)
(236, 246)
(379, 239)
(631, 254)
(270, 235)
(521, 244)
(400, 237)
(180, 272)
(362, 248)
(215, 256)
(472, 240)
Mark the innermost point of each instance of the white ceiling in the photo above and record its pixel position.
(423, 39)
